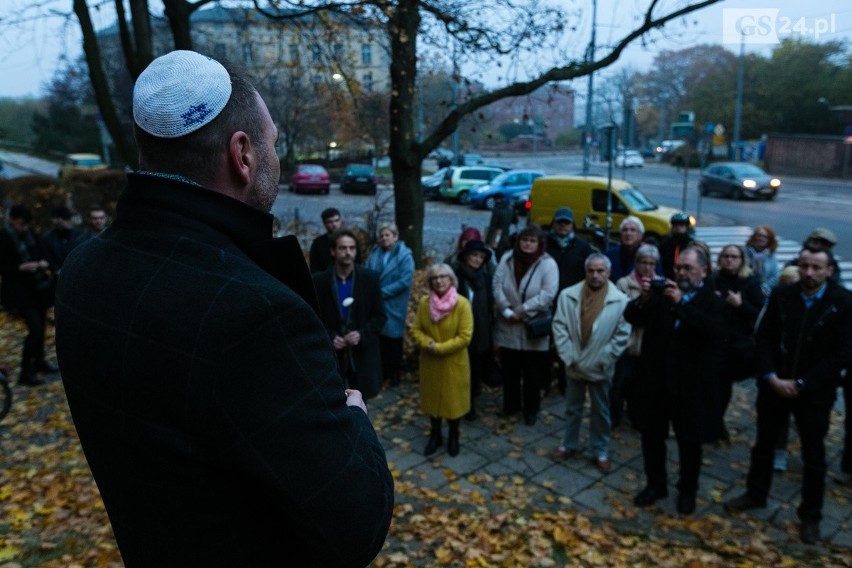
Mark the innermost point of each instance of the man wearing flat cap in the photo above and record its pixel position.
(202, 384)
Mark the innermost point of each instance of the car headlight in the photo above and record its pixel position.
(775, 182)
(749, 183)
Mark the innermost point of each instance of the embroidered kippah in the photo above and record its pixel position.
(180, 92)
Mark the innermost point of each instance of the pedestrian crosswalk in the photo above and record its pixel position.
(718, 237)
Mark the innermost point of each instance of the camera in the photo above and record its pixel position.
(658, 284)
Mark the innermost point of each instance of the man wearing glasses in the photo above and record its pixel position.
(677, 375)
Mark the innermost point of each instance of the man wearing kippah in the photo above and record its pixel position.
(203, 386)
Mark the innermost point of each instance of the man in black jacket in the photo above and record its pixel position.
(202, 384)
(677, 379)
(352, 309)
(804, 342)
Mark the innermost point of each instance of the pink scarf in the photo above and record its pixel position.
(440, 307)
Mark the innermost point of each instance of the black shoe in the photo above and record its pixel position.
(472, 415)
(809, 532)
(45, 367)
(743, 503)
(432, 446)
(686, 503)
(529, 419)
(31, 382)
(647, 496)
(453, 444)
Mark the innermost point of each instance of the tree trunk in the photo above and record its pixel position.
(178, 12)
(100, 85)
(405, 151)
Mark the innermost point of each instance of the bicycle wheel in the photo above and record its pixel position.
(5, 397)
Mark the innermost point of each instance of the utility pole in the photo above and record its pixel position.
(738, 109)
(590, 58)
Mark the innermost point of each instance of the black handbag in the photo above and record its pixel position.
(540, 326)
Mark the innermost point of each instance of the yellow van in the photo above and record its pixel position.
(586, 196)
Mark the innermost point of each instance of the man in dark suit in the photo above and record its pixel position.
(61, 239)
(803, 343)
(677, 378)
(320, 257)
(204, 389)
(351, 307)
(27, 289)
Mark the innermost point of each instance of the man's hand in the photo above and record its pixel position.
(30, 266)
(671, 292)
(352, 338)
(354, 398)
(338, 342)
(785, 388)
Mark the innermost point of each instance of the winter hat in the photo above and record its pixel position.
(180, 92)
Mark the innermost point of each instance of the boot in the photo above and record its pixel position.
(435, 437)
(453, 441)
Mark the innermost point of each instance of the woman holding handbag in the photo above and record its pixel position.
(442, 329)
(525, 284)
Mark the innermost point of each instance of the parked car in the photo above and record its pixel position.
(587, 197)
(80, 162)
(508, 183)
(737, 180)
(310, 178)
(459, 180)
(431, 184)
(472, 159)
(359, 178)
(629, 159)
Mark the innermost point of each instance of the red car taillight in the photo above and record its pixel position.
(528, 205)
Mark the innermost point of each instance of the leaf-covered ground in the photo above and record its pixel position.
(51, 514)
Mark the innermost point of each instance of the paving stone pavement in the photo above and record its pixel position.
(492, 447)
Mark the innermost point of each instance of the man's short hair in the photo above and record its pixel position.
(598, 256)
(818, 249)
(700, 255)
(95, 207)
(329, 213)
(632, 219)
(192, 155)
(61, 212)
(344, 232)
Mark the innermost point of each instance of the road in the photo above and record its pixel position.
(802, 204)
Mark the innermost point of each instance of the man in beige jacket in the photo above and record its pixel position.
(590, 334)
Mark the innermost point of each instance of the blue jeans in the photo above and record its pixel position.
(575, 396)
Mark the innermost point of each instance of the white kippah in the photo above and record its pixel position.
(179, 93)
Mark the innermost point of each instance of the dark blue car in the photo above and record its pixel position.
(508, 183)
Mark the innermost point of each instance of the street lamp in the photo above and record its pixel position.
(590, 58)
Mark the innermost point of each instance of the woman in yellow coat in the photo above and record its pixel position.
(442, 329)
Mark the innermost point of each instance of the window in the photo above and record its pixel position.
(294, 53)
(599, 202)
(367, 54)
(337, 51)
(316, 54)
(248, 53)
(367, 81)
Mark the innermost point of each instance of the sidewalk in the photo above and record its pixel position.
(499, 456)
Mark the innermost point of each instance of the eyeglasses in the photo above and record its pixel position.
(439, 277)
(730, 256)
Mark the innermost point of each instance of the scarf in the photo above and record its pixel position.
(523, 261)
(591, 305)
(441, 306)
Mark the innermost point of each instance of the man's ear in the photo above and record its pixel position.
(241, 157)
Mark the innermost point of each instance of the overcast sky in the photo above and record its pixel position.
(30, 54)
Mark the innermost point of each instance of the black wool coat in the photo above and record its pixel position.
(810, 344)
(206, 394)
(366, 316)
(678, 369)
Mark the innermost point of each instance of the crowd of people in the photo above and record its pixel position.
(656, 334)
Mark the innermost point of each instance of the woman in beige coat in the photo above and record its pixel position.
(443, 328)
(525, 284)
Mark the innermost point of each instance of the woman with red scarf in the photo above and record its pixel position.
(442, 329)
(525, 284)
